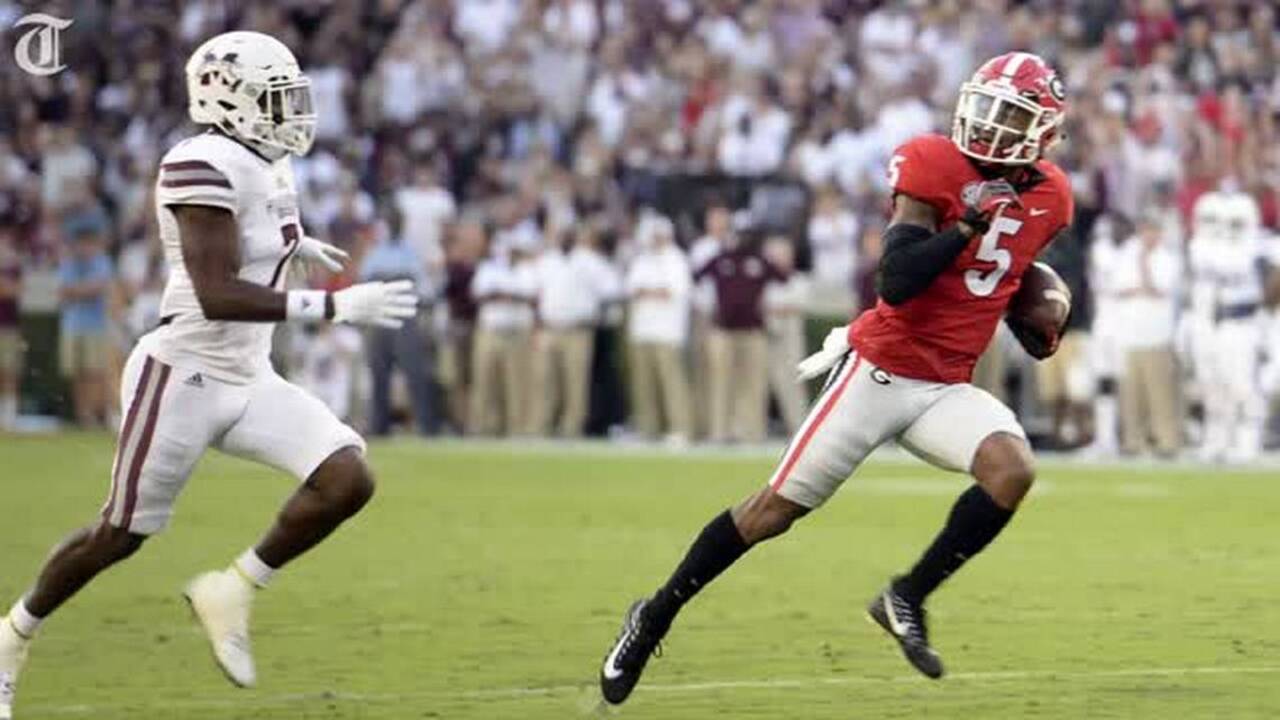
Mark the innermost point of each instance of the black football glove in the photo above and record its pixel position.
(991, 197)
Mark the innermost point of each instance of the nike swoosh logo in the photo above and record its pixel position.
(898, 627)
(610, 671)
(1037, 212)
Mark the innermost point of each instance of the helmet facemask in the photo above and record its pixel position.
(286, 118)
(997, 125)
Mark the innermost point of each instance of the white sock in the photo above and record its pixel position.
(252, 568)
(23, 621)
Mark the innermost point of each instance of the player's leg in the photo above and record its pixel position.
(966, 430)
(852, 416)
(287, 428)
(1242, 384)
(161, 440)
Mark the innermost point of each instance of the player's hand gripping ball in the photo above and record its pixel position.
(1038, 312)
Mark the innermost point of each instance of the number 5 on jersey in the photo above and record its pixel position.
(982, 283)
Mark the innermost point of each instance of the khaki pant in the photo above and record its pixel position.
(561, 380)
(1149, 404)
(739, 390)
(499, 382)
(786, 349)
(1054, 374)
(454, 370)
(700, 375)
(991, 369)
(659, 389)
(10, 351)
(82, 354)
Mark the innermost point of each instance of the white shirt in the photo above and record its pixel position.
(497, 276)
(1148, 320)
(834, 239)
(576, 23)
(700, 253)
(660, 319)
(784, 304)
(328, 87)
(485, 24)
(573, 287)
(400, 79)
(425, 212)
(214, 170)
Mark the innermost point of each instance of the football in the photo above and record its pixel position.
(1038, 311)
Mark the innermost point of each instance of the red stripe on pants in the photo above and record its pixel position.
(813, 426)
(144, 445)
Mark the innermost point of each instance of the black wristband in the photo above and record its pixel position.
(329, 309)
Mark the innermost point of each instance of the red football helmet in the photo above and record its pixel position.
(1010, 111)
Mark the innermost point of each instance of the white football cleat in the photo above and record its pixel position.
(221, 602)
(13, 655)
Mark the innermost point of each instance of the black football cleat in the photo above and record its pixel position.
(625, 662)
(906, 622)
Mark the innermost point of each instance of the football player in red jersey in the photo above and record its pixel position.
(970, 214)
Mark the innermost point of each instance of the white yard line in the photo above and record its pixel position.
(514, 693)
(889, 455)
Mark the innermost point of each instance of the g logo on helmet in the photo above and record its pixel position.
(1057, 89)
(39, 51)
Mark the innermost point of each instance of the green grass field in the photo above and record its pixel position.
(488, 583)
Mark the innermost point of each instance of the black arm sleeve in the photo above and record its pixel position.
(913, 257)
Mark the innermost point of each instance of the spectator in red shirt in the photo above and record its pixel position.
(738, 350)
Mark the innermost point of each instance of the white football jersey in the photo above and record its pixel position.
(1227, 252)
(214, 170)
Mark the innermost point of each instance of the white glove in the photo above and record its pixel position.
(833, 348)
(313, 250)
(385, 304)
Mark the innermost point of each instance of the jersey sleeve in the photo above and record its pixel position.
(195, 174)
(916, 170)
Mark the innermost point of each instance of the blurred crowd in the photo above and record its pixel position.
(514, 157)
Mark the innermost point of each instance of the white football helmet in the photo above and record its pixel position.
(250, 86)
(1243, 218)
(1209, 217)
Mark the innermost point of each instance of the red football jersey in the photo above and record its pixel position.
(939, 334)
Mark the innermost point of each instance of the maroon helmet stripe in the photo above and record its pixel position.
(122, 444)
(188, 165)
(211, 182)
(144, 446)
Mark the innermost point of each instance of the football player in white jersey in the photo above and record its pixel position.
(1225, 323)
(228, 219)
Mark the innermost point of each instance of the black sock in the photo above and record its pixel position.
(974, 522)
(717, 547)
